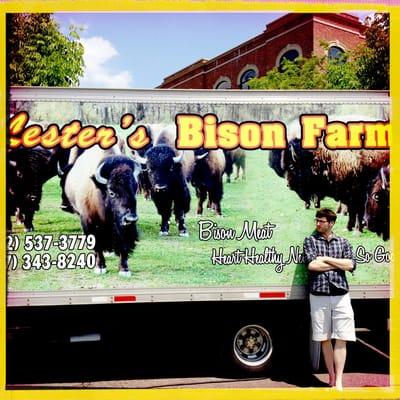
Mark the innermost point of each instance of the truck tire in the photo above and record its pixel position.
(252, 348)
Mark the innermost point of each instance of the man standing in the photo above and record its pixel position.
(328, 257)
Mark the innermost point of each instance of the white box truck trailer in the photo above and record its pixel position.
(236, 266)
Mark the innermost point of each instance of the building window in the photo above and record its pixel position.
(335, 53)
(245, 77)
(223, 83)
(290, 55)
(289, 52)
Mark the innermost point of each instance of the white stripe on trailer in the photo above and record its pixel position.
(164, 295)
(101, 299)
(189, 96)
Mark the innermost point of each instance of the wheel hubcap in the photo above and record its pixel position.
(252, 345)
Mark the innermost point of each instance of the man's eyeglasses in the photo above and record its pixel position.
(320, 221)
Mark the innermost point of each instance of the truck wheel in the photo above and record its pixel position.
(252, 348)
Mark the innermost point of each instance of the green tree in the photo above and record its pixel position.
(373, 57)
(310, 73)
(341, 73)
(302, 73)
(39, 54)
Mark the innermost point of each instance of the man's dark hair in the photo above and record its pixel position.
(327, 213)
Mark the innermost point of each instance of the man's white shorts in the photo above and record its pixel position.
(332, 317)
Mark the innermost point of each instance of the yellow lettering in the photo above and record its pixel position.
(336, 135)
(228, 135)
(312, 127)
(356, 130)
(86, 137)
(69, 133)
(378, 135)
(250, 135)
(273, 135)
(50, 138)
(138, 139)
(190, 131)
(210, 131)
(31, 136)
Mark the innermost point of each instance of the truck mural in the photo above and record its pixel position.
(179, 227)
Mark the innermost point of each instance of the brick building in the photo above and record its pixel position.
(288, 37)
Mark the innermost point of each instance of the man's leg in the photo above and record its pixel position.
(327, 351)
(343, 330)
(339, 356)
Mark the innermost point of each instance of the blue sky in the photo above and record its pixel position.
(137, 50)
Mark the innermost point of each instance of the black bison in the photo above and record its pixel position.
(235, 157)
(377, 207)
(343, 175)
(101, 187)
(153, 130)
(64, 160)
(207, 178)
(27, 171)
(279, 161)
(276, 156)
(168, 173)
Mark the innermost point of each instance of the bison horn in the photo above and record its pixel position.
(98, 177)
(59, 170)
(138, 158)
(137, 169)
(200, 157)
(384, 180)
(178, 158)
(293, 153)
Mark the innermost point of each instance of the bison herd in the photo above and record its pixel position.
(358, 179)
(101, 185)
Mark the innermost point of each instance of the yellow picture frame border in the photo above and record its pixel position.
(391, 392)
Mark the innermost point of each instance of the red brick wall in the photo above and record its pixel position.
(264, 57)
(328, 33)
(267, 47)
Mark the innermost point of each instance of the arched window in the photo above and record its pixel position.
(245, 77)
(335, 52)
(290, 55)
(223, 84)
(289, 52)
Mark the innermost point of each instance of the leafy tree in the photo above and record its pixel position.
(341, 73)
(39, 54)
(373, 57)
(310, 73)
(301, 73)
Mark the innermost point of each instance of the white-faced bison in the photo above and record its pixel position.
(101, 187)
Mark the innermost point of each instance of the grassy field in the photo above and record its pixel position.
(175, 261)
